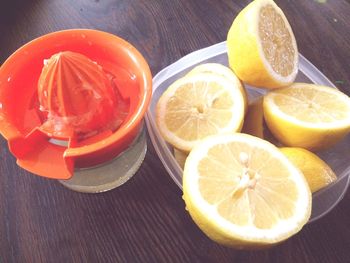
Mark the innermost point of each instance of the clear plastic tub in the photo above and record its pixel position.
(337, 157)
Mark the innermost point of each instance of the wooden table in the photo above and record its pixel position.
(145, 220)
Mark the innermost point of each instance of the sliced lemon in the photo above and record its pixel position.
(307, 115)
(216, 68)
(317, 173)
(180, 157)
(197, 106)
(254, 123)
(243, 192)
(261, 46)
(254, 119)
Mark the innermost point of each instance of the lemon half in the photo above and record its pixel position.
(243, 192)
(197, 106)
(261, 46)
(317, 173)
(307, 115)
(221, 70)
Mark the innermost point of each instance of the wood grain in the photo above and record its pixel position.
(145, 220)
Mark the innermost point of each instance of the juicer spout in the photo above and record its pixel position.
(37, 154)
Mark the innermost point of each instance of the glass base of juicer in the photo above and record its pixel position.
(112, 174)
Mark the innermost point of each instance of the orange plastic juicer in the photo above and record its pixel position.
(71, 100)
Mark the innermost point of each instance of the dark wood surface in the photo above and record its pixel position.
(145, 220)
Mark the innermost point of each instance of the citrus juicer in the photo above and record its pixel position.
(72, 104)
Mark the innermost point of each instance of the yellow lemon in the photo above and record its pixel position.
(261, 46)
(317, 173)
(307, 115)
(180, 157)
(219, 69)
(254, 119)
(243, 192)
(197, 106)
(254, 123)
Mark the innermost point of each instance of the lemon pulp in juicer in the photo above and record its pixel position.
(78, 97)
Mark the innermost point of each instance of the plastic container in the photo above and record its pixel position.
(337, 157)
